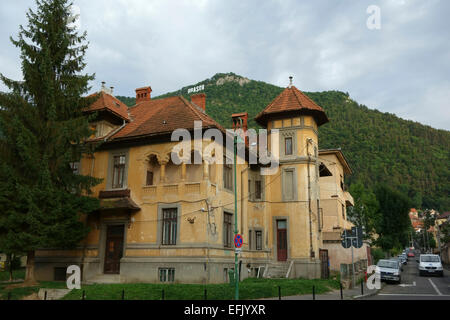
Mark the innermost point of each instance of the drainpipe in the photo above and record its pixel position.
(311, 250)
(242, 197)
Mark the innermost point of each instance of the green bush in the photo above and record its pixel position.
(377, 254)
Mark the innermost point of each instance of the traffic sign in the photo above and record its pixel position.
(345, 241)
(238, 241)
(353, 237)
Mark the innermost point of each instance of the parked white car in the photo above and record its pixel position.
(430, 264)
(389, 270)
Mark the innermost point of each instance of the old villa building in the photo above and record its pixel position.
(162, 222)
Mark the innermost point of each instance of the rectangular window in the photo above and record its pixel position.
(227, 176)
(258, 235)
(149, 179)
(166, 274)
(288, 146)
(250, 195)
(289, 185)
(343, 212)
(258, 190)
(169, 225)
(227, 229)
(250, 247)
(60, 274)
(118, 172)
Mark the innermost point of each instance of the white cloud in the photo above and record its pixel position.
(325, 45)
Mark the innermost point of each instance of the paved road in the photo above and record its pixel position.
(414, 287)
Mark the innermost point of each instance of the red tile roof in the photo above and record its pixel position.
(444, 215)
(161, 116)
(109, 103)
(291, 100)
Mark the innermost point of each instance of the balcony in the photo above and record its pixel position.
(112, 200)
(349, 202)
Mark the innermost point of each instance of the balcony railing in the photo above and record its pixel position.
(182, 190)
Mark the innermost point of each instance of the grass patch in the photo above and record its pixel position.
(17, 274)
(17, 293)
(21, 292)
(248, 289)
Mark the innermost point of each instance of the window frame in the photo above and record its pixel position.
(110, 176)
(294, 184)
(168, 273)
(258, 193)
(119, 170)
(227, 229)
(259, 244)
(152, 178)
(228, 183)
(172, 222)
(286, 153)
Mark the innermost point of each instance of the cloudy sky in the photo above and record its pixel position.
(402, 68)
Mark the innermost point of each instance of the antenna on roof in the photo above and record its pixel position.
(290, 81)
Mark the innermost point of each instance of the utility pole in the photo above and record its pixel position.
(236, 276)
(439, 239)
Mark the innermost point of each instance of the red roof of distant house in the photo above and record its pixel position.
(417, 224)
(291, 100)
(444, 215)
(159, 116)
(109, 103)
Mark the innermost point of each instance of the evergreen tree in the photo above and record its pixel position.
(42, 201)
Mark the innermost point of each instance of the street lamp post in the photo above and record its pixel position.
(236, 273)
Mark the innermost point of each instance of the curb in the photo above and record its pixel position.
(370, 294)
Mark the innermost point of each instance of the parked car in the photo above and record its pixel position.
(430, 264)
(389, 270)
(400, 264)
(403, 258)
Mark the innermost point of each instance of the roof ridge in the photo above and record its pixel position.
(304, 95)
(201, 115)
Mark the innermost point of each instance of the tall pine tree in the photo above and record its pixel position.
(42, 131)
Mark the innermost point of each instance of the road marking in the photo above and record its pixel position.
(435, 288)
(408, 285)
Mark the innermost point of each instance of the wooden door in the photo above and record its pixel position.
(113, 248)
(281, 240)
(324, 266)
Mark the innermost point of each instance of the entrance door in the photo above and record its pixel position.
(324, 268)
(281, 240)
(113, 249)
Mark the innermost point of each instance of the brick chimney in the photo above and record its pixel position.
(237, 118)
(143, 94)
(240, 122)
(199, 100)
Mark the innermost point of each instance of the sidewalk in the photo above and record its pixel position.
(348, 294)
